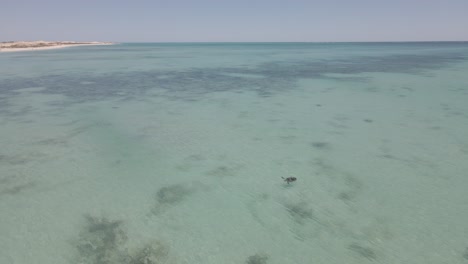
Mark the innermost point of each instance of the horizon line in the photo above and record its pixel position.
(253, 42)
(384, 41)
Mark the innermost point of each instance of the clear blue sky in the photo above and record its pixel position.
(234, 20)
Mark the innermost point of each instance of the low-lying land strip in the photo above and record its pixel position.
(41, 45)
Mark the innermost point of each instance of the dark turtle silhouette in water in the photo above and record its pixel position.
(289, 179)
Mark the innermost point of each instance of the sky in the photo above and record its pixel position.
(234, 20)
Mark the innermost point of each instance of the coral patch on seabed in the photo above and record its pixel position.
(465, 255)
(151, 253)
(363, 251)
(321, 145)
(103, 241)
(300, 212)
(257, 259)
(100, 242)
(225, 171)
(172, 195)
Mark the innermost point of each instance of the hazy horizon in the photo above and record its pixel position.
(242, 42)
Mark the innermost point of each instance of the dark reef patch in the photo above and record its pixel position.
(172, 194)
(100, 242)
(191, 84)
(353, 187)
(103, 241)
(151, 253)
(257, 259)
(363, 251)
(224, 171)
(321, 145)
(346, 196)
(17, 188)
(465, 254)
(300, 212)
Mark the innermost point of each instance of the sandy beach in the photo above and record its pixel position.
(13, 46)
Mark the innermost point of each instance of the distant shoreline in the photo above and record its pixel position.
(13, 46)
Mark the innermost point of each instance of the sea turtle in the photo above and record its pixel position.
(289, 179)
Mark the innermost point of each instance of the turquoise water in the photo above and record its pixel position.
(174, 153)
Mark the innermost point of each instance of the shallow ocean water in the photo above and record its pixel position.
(174, 153)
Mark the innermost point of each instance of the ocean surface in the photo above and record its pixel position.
(175, 153)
